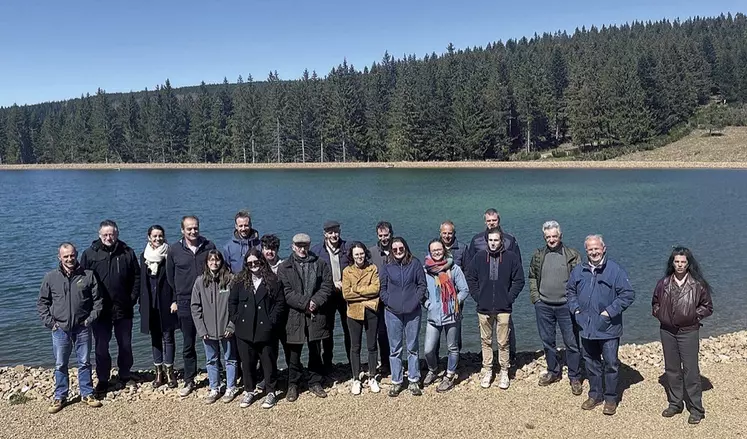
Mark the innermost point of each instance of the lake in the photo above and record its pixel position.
(641, 213)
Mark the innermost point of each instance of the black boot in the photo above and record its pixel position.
(171, 376)
(160, 378)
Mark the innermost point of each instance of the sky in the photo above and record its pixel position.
(54, 50)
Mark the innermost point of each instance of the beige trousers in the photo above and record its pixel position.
(488, 324)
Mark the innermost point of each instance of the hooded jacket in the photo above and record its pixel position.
(237, 247)
(69, 301)
(496, 295)
(480, 242)
(118, 273)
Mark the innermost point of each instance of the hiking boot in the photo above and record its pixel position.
(171, 377)
(430, 378)
(230, 394)
(695, 418)
(414, 389)
(547, 379)
(56, 406)
(447, 383)
(212, 396)
(160, 379)
(486, 379)
(292, 394)
(577, 388)
(671, 411)
(189, 386)
(373, 385)
(317, 390)
(504, 380)
(270, 401)
(590, 403)
(395, 390)
(355, 389)
(609, 408)
(91, 401)
(246, 399)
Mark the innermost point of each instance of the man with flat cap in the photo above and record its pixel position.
(334, 251)
(307, 284)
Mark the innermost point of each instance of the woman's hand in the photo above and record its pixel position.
(173, 308)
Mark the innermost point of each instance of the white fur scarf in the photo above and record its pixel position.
(154, 256)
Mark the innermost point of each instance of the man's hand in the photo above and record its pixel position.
(227, 334)
(338, 285)
(312, 306)
(173, 308)
(604, 313)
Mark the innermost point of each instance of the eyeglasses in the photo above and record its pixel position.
(398, 249)
(254, 264)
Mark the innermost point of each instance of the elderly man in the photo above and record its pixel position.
(244, 239)
(118, 271)
(447, 235)
(307, 284)
(549, 271)
(69, 303)
(598, 292)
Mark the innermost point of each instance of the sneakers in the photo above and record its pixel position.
(56, 406)
(246, 399)
(577, 388)
(189, 386)
(270, 401)
(91, 401)
(212, 396)
(430, 378)
(260, 387)
(547, 379)
(395, 390)
(230, 394)
(487, 378)
(609, 408)
(590, 403)
(671, 412)
(292, 394)
(504, 381)
(317, 390)
(447, 383)
(373, 385)
(355, 389)
(414, 389)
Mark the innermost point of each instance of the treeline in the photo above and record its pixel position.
(609, 86)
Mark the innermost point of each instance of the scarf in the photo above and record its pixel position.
(154, 257)
(441, 271)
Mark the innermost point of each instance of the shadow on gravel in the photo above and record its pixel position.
(626, 378)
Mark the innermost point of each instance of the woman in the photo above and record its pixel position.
(403, 290)
(210, 314)
(681, 300)
(447, 290)
(360, 289)
(158, 306)
(256, 304)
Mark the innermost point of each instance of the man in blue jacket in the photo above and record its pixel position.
(598, 292)
(244, 239)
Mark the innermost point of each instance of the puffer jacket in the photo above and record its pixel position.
(681, 309)
(210, 309)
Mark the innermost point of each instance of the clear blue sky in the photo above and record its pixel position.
(53, 50)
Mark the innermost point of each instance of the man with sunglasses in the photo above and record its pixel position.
(307, 284)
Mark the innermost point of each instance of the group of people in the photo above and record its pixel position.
(244, 302)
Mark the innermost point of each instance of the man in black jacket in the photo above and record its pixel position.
(184, 262)
(118, 271)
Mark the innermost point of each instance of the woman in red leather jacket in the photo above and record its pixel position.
(681, 300)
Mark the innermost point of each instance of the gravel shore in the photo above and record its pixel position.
(524, 410)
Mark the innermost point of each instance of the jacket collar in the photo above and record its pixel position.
(253, 239)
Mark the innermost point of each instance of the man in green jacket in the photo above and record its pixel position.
(549, 270)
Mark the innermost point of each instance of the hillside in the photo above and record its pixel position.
(730, 146)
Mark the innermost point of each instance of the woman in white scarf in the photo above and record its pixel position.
(157, 306)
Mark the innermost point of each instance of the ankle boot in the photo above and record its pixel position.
(160, 379)
(171, 376)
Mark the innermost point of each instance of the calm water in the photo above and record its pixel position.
(641, 213)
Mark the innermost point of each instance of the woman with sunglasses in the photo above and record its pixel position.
(403, 291)
(682, 299)
(255, 305)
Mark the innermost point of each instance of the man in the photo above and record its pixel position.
(334, 251)
(548, 275)
(598, 292)
(480, 242)
(495, 278)
(307, 284)
(447, 235)
(380, 256)
(184, 262)
(270, 245)
(69, 303)
(244, 239)
(118, 272)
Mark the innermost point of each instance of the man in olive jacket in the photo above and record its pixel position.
(307, 284)
(549, 270)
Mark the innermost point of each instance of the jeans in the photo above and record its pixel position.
(189, 353)
(63, 343)
(164, 347)
(249, 352)
(212, 351)
(433, 339)
(295, 369)
(409, 324)
(370, 324)
(682, 370)
(548, 318)
(500, 324)
(102, 333)
(336, 306)
(595, 353)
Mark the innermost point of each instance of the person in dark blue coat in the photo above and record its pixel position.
(158, 306)
(598, 292)
(403, 292)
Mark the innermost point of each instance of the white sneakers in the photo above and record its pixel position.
(504, 381)
(355, 389)
(373, 385)
(486, 379)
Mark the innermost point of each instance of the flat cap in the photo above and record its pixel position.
(301, 238)
(331, 225)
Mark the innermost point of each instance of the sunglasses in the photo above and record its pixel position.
(398, 249)
(254, 264)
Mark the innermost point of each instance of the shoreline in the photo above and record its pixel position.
(561, 164)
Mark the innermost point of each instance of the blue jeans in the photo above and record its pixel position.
(548, 318)
(597, 352)
(102, 331)
(212, 350)
(62, 343)
(433, 339)
(396, 325)
(164, 347)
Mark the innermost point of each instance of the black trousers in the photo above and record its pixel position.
(682, 370)
(250, 352)
(295, 369)
(337, 305)
(370, 324)
(189, 354)
(383, 339)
